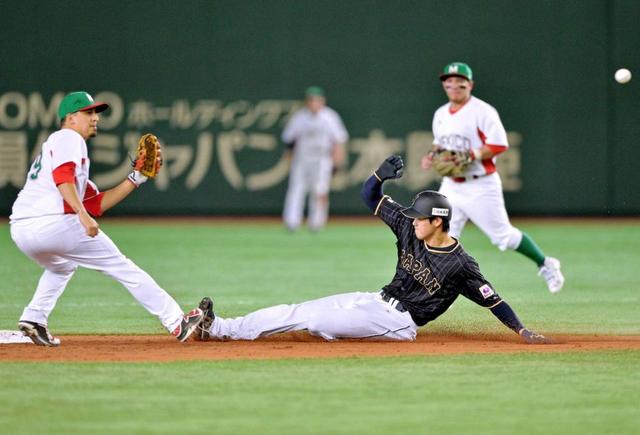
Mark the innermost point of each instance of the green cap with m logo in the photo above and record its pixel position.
(457, 69)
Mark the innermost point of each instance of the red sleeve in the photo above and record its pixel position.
(65, 173)
(496, 149)
(93, 199)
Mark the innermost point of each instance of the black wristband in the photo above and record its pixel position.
(507, 316)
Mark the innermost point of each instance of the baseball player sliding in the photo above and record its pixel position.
(52, 222)
(315, 138)
(468, 135)
(432, 270)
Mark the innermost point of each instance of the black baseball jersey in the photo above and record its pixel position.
(428, 280)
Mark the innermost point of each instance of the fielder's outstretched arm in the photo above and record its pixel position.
(146, 165)
(116, 194)
(97, 202)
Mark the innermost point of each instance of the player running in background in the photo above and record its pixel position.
(468, 124)
(432, 270)
(315, 138)
(52, 223)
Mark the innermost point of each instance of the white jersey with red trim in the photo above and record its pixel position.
(475, 124)
(45, 228)
(40, 195)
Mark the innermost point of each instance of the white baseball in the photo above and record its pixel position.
(623, 75)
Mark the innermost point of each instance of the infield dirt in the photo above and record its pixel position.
(151, 348)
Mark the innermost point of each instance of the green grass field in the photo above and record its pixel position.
(248, 266)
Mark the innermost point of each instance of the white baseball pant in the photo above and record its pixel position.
(481, 201)
(59, 244)
(313, 178)
(347, 315)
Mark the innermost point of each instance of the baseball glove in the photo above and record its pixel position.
(449, 163)
(148, 156)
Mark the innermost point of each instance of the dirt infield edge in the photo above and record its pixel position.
(155, 348)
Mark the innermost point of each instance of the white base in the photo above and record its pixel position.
(11, 337)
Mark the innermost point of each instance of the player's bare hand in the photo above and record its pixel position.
(159, 159)
(90, 225)
(427, 161)
(392, 167)
(531, 337)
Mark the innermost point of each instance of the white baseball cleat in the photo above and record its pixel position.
(550, 271)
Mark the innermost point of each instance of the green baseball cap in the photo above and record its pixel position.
(457, 69)
(79, 101)
(314, 91)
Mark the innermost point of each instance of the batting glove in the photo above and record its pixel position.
(137, 178)
(392, 167)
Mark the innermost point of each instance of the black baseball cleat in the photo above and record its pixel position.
(190, 323)
(38, 333)
(202, 334)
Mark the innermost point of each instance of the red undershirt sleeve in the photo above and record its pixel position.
(65, 173)
(93, 200)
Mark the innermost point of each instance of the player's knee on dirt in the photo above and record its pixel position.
(509, 239)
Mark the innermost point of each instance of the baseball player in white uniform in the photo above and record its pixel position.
(468, 124)
(315, 137)
(52, 222)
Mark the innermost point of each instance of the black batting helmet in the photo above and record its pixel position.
(429, 203)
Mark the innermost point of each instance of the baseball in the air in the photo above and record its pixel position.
(623, 75)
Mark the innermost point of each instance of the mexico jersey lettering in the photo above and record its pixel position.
(40, 195)
(314, 133)
(428, 279)
(475, 124)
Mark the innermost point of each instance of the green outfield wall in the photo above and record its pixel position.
(216, 80)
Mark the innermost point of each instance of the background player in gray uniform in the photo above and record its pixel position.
(432, 271)
(315, 137)
(472, 127)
